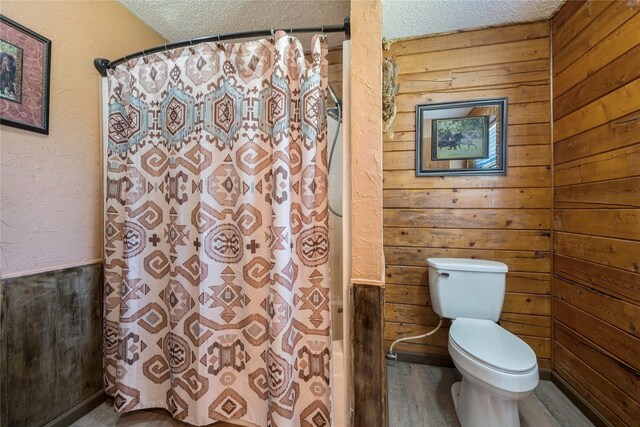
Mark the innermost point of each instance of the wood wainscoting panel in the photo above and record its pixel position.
(368, 362)
(51, 356)
(502, 218)
(596, 220)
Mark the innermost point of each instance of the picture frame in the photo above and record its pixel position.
(462, 138)
(25, 76)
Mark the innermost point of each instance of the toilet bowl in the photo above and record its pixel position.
(497, 368)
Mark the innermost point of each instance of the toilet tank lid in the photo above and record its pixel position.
(467, 264)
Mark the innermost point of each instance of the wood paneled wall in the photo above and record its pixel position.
(596, 216)
(51, 357)
(368, 363)
(502, 218)
(334, 57)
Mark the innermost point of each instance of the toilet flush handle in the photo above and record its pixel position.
(443, 274)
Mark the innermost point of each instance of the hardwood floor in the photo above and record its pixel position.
(105, 416)
(420, 395)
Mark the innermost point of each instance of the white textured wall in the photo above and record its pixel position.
(50, 199)
(406, 18)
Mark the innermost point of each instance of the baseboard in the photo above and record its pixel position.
(545, 374)
(436, 360)
(424, 359)
(584, 406)
(78, 411)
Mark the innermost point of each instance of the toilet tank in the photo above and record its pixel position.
(469, 288)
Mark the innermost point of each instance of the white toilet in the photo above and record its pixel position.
(497, 367)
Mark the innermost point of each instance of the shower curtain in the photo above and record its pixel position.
(216, 243)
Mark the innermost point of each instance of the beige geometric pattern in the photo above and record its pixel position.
(216, 239)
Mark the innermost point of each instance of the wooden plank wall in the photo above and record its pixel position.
(51, 357)
(334, 57)
(368, 363)
(596, 216)
(503, 218)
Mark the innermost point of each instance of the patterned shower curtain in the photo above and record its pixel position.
(216, 243)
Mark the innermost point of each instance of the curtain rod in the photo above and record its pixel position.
(102, 65)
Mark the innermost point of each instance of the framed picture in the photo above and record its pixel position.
(25, 62)
(462, 138)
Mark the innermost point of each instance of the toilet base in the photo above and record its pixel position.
(475, 407)
(455, 394)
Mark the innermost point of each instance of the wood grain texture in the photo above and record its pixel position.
(618, 223)
(482, 55)
(517, 177)
(480, 198)
(611, 106)
(502, 218)
(620, 193)
(618, 253)
(106, 416)
(520, 240)
(368, 365)
(334, 58)
(623, 39)
(593, 356)
(517, 219)
(608, 280)
(612, 135)
(623, 70)
(526, 155)
(521, 261)
(419, 395)
(571, 19)
(52, 330)
(610, 16)
(596, 221)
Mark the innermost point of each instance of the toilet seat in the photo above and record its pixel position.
(487, 343)
(492, 358)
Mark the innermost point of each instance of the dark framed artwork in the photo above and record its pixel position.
(25, 62)
(462, 138)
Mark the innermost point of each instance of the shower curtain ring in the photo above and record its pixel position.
(144, 57)
(273, 32)
(218, 37)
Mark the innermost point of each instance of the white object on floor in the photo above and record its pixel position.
(497, 367)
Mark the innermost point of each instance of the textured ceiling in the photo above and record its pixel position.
(406, 18)
(181, 20)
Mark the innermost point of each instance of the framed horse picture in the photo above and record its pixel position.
(25, 61)
(462, 138)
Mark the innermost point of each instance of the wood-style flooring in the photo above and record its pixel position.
(420, 395)
(105, 416)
